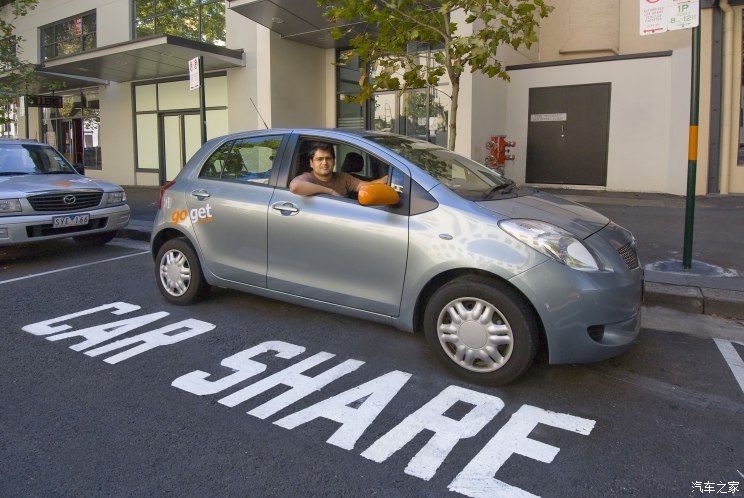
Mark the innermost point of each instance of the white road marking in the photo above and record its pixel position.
(447, 431)
(242, 365)
(735, 362)
(71, 267)
(374, 396)
(478, 480)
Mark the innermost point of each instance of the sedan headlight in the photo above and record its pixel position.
(116, 198)
(552, 241)
(10, 206)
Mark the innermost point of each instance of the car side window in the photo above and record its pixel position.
(246, 160)
(214, 166)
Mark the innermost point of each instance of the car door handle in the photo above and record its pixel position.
(286, 208)
(200, 194)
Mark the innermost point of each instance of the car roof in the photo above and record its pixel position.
(20, 141)
(309, 131)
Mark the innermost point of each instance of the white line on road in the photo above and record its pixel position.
(733, 359)
(71, 268)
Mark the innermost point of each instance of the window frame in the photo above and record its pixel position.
(199, 6)
(57, 27)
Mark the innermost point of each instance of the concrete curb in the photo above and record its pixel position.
(136, 231)
(700, 300)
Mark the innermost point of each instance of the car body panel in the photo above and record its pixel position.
(379, 263)
(233, 228)
(32, 224)
(577, 219)
(337, 251)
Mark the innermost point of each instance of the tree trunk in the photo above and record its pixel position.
(453, 113)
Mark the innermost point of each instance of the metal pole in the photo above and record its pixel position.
(25, 112)
(692, 150)
(202, 102)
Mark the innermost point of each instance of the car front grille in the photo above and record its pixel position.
(66, 201)
(629, 256)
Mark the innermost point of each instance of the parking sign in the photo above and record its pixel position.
(659, 16)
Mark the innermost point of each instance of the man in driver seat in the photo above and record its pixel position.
(322, 179)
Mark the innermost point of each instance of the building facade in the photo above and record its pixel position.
(593, 105)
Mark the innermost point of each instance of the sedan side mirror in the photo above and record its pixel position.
(378, 194)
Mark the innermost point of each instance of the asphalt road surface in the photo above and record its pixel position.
(108, 390)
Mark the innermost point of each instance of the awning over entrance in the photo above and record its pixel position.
(69, 82)
(153, 57)
(47, 82)
(297, 20)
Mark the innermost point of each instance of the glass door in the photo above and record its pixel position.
(181, 139)
(70, 139)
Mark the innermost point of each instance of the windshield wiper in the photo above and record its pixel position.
(504, 188)
(12, 173)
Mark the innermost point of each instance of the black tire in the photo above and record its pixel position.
(178, 273)
(467, 348)
(94, 239)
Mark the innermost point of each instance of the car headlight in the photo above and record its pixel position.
(10, 206)
(116, 198)
(552, 241)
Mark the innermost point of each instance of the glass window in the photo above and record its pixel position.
(91, 129)
(217, 123)
(462, 175)
(214, 166)
(201, 20)
(246, 160)
(146, 98)
(349, 114)
(147, 141)
(68, 37)
(176, 95)
(31, 160)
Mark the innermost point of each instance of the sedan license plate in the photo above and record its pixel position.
(70, 220)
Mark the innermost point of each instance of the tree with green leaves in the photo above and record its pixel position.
(16, 74)
(394, 29)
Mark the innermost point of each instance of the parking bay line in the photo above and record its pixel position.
(734, 361)
(72, 267)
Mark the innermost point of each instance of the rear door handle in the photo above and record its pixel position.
(200, 194)
(286, 208)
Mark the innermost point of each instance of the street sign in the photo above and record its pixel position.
(683, 14)
(660, 16)
(194, 73)
(44, 101)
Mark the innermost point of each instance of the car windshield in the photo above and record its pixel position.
(460, 174)
(31, 159)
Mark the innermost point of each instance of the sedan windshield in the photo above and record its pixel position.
(460, 174)
(30, 159)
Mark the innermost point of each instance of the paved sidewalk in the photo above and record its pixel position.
(713, 286)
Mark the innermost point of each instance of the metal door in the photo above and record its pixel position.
(181, 139)
(337, 251)
(568, 133)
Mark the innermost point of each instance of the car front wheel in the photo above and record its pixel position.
(179, 274)
(481, 329)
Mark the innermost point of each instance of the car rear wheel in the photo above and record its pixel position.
(179, 273)
(94, 239)
(482, 330)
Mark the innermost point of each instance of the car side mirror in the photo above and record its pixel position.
(378, 194)
(79, 167)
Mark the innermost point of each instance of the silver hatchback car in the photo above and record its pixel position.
(43, 197)
(439, 244)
